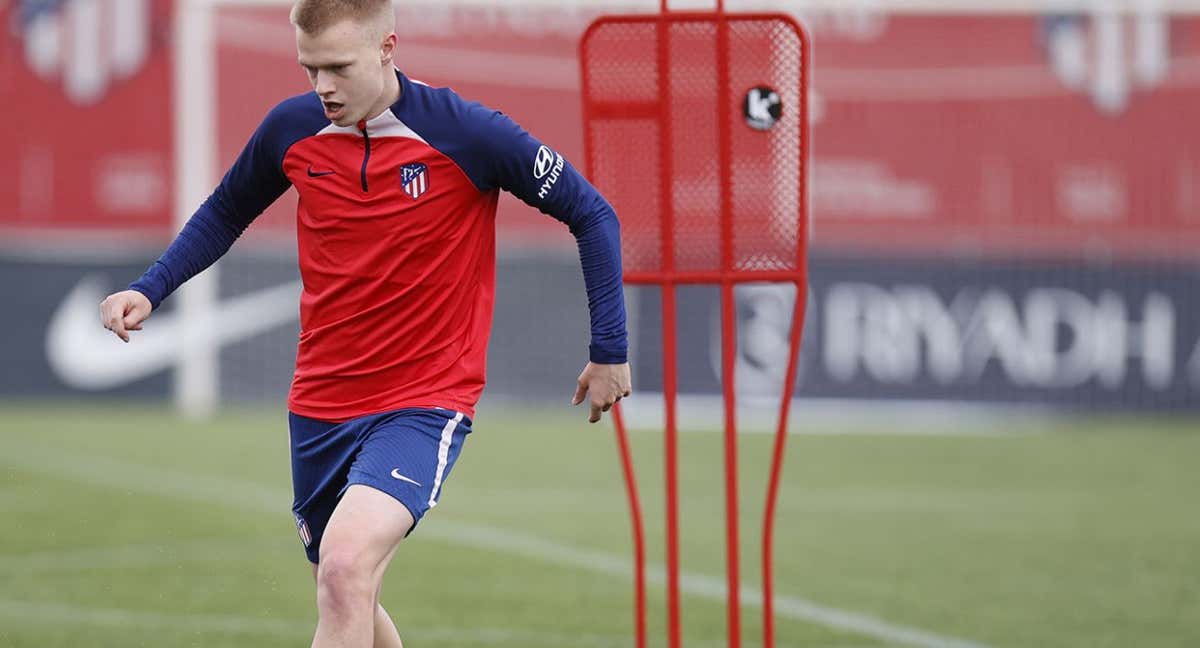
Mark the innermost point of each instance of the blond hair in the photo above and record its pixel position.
(314, 16)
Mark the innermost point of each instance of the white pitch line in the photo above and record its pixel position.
(117, 618)
(127, 555)
(283, 628)
(257, 497)
(493, 539)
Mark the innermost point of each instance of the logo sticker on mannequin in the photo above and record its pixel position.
(762, 108)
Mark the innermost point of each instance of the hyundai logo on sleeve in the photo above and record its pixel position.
(543, 162)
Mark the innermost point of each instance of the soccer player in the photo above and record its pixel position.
(398, 183)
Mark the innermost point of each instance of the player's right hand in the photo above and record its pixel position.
(124, 312)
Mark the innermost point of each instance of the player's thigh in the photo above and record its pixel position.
(364, 531)
(322, 453)
(405, 455)
(410, 454)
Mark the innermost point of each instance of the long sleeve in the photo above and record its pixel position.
(255, 180)
(515, 161)
(207, 236)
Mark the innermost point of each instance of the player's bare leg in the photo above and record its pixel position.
(386, 634)
(359, 542)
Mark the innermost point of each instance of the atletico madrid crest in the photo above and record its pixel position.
(414, 179)
(302, 529)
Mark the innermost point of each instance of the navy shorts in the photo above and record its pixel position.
(406, 453)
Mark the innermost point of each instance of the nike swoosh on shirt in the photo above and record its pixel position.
(318, 174)
(396, 474)
(84, 355)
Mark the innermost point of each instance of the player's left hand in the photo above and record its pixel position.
(605, 383)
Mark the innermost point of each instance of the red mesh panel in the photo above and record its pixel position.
(696, 195)
(767, 208)
(620, 62)
(630, 182)
(630, 114)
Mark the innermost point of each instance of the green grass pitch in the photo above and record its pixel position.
(124, 526)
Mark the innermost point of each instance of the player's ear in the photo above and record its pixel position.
(387, 48)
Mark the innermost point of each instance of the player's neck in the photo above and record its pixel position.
(391, 94)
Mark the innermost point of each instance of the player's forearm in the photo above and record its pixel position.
(599, 238)
(205, 238)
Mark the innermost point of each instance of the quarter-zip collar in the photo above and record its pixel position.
(362, 127)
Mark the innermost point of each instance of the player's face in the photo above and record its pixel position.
(346, 65)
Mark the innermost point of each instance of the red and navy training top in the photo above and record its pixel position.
(396, 232)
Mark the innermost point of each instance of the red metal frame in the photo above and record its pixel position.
(668, 278)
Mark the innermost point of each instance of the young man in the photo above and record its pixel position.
(398, 185)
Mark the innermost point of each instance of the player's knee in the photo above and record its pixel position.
(344, 581)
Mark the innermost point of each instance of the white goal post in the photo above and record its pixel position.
(196, 383)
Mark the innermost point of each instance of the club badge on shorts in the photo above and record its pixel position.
(302, 529)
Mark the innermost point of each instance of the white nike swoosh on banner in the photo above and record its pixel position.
(397, 475)
(85, 355)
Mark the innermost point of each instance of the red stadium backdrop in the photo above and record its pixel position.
(87, 133)
(1005, 208)
(974, 132)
